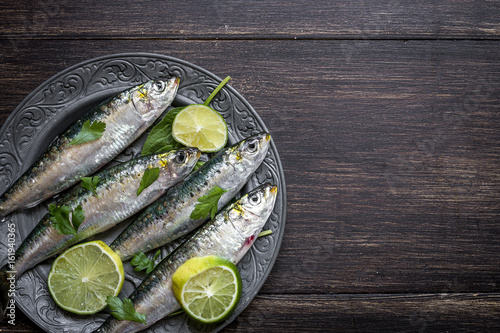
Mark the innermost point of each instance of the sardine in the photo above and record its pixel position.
(169, 217)
(115, 199)
(127, 116)
(230, 235)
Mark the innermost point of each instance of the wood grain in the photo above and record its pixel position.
(393, 168)
(370, 313)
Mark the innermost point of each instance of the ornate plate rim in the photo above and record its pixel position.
(121, 56)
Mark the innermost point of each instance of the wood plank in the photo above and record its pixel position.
(370, 313)
(393, 171)
(222, 19)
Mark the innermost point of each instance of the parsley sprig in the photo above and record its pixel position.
(89, 132)
(60, 218)
(265, 233)
(160, 138)
(141, 262)
(124, 310)
(90, 183)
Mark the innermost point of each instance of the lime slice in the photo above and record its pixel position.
(208, 288)
(83, 276)
(200, 126)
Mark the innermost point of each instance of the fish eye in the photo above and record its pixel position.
(181, 157)
(252, 146)
(255, 199)
(159, 85)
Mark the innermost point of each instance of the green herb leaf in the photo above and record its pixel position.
(219, 87)
(198, 165)
(124, 310)
(77, 217)
(160, 138)
(178, 312)
(207, 204)
(89, 132)
(265, 233)
(141, 262)
(148, 178)
(60, 219)
(90, 183)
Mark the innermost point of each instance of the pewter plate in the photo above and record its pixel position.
(58, 102)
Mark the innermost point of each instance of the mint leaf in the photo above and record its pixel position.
(148, 178)
(90, 183)
(141, 262)
(60, 219)
(89, 132)
(124, 310)
(160, 138)
(207, 204)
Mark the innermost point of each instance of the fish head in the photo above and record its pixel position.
(249, 153)
(153, 97)
(178, 163)
(250, 213)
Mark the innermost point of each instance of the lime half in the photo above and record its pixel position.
(200, 126)
(83, 276)
(208, 288)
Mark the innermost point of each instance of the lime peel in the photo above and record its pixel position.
(84, 275)
(200, 126)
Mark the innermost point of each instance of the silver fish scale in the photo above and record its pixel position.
(115, 201)
(170, 216)
(62, 164)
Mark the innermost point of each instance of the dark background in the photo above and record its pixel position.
(386, 118)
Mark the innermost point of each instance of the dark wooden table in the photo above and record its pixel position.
(386, 115)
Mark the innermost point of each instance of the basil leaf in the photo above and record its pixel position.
(160, 138)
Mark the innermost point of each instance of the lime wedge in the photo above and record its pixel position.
(83, 276)
(200, 126)
(208, 288)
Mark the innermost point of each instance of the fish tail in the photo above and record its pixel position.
(6, 291)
